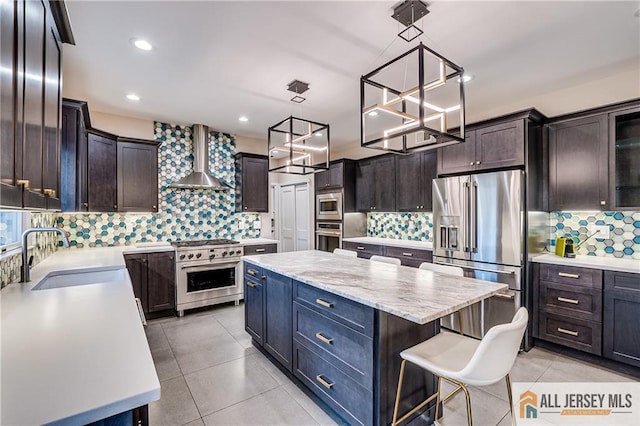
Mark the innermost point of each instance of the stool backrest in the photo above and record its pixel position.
(343, 252)
(443, 269)
(384, 259)
(494, 357)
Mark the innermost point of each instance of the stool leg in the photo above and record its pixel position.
(398, 392)
(508, 380)
(468, 397)
(438, 399)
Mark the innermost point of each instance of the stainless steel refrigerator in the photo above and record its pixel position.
(478, 226)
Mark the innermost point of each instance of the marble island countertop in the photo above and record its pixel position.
(74, 354)
(593, 262)
(414, 294)
(420, 245)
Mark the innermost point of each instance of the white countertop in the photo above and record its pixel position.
(417, 295)
(77, 354)
(423, 245)
(593, 262)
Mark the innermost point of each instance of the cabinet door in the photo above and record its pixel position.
(254, 308)
(137, 177)
(32, 159)
(458, 158)
(409, 182)
(365, 186)
(323, 180)
(52, 106)
(624, 158)
(385, 184)
(621, 331)
(101, 173)
(161, 278)
(137, 267)
(336, 173)
(578, 168)
(10, 192)
(255, 184)
(429, 173)
(501, 145)
(278, 317)
(69, 159)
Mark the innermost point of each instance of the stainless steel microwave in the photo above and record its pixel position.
(329, 206)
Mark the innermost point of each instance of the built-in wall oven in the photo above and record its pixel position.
(207, 273)
(329, 206)
(328, 236)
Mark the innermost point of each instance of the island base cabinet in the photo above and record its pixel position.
(621, 340)
(278, 306)
(254, 303)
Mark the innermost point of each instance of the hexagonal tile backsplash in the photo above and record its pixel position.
(624, 232)
(182, 213)
(400, 226)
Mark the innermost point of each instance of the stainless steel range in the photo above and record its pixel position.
(207, 273)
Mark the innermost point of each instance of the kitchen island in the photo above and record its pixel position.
(338, 324)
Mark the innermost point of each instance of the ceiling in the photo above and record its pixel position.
(215, 61)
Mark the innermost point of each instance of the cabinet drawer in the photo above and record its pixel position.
(570, 300)
(412, 256)
(353, 402)
(571, 275)
(260, 249)
(352, 314)
(364, 250)
(575, 333)
(351, 351)
(622, 281)
(252, 271)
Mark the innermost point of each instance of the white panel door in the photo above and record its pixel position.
(287, 218)
(302, 217)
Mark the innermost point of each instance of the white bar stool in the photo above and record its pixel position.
(385, 259)
(343, 252)
(445, 269)
(463, 361)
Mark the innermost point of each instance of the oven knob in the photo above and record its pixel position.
(198, 256)
(181, 256)
(212, 255)
(190, 256)
(224, 253)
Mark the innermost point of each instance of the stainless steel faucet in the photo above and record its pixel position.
(25, 271)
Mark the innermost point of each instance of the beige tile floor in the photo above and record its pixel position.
(210, 374)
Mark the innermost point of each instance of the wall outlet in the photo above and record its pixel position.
(240, 225)
(411, 224)
(373, 223)
(603, 231)
(257, 224)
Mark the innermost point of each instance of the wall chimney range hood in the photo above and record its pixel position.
(200, 177)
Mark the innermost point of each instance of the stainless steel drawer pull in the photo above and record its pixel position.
(324, 338)
(360, 248)
(259, 250)
(569, 332)
(323, 382)
(407, 254)
(566, 275)
(564, 299)
(324, 303)
(252, 272)
(250, 284)
(505, 296)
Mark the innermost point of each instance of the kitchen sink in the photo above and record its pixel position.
(61, 279)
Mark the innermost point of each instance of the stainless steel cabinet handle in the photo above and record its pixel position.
(323, 382)
(505, 296)
(471, 163)
(360, 248)
(603, 203)
(252, 272)
(408, 254)
(250, 284)
(324, 303)
(259, 250)
(563, 299)
(324, 338)
(478, 162)
(569, 332)
(23, 182)
(567, 275)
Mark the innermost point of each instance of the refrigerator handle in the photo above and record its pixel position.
(473, 227)
(466, 217)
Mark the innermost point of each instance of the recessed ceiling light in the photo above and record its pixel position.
(142, 44)
(373, 113)
(318, 134)
(133, 97)
(243, 119)
(465, 78)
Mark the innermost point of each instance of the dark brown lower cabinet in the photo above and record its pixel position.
(407, 256)
(621, 331)
(153, 279)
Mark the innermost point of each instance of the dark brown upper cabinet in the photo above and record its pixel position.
(458, 158)
(332, 179)
(341, 176)
(30, 85)
(376, 184)
(414, 176)
(102, 169)
(578, 165)
(137, 184)
(252, 183)
(75, 123)
(624, 159)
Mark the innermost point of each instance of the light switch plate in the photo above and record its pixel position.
(257, 224)
(603, 233)
(411, 224)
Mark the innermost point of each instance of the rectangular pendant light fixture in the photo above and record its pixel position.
(298, 146)
(413, 102)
